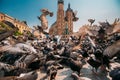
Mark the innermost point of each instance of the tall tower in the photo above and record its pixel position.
(60, 17)
(69, 19)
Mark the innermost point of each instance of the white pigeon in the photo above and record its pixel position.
(11, 49)
(27, 47)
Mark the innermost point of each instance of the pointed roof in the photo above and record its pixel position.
(60, 1)
(69, 8)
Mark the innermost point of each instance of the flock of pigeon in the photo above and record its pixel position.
(20, 60)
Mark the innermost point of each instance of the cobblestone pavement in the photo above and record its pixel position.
(86, 73)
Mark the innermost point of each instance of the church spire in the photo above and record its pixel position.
(69, 5)
(69, 8)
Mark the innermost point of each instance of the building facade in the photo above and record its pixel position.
(69, 19)
(60, 17)
(22, 26)
(63, 18)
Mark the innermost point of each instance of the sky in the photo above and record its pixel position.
(28, 10)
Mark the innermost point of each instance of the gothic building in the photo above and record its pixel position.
(63, 18)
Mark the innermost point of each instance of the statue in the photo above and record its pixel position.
(43, 19)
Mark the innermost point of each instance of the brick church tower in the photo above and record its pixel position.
(63, 18)
(69, 19)
(60, 17)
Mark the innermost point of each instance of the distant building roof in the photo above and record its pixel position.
(9, 16)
